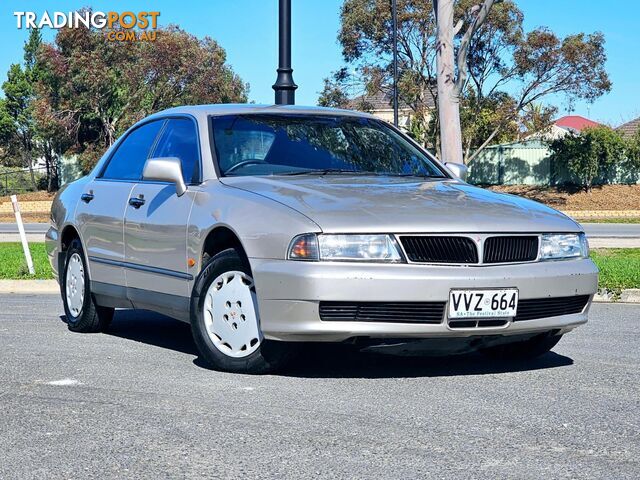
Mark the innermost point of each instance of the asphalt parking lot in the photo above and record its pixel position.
(136, 403)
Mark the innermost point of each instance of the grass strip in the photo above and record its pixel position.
(14, 266)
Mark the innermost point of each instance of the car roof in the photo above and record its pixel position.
(244, 108)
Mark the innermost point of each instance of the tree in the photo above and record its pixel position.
(507, 70)
(17, 112)
(450, 83)
(592, 155)
(92, 89)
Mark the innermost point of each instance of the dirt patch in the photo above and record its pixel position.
(605, 197)
(30, 197)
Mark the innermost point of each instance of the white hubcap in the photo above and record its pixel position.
(75, 285)
(231, 314)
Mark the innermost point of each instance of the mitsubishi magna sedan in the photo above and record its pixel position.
(268, 226)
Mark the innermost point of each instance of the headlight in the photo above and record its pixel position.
(559, 246)
(345, 248)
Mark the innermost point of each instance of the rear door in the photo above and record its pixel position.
(156, 225)
(100, 213)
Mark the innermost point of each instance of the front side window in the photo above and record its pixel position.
(180, 139)
(127, 162)
(267, 144)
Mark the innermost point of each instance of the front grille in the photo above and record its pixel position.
(440, 249)
(396, 312)
(550, 307)
(510, 249)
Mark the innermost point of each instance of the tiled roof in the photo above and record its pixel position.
(575, 122)
(629, 128)
(384, 101)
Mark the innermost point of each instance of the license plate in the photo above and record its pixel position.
(498, 303)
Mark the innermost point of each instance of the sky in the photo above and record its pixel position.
(247, 30)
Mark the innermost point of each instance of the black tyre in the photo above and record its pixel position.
(225, 320)
(524, 350)
(82, 312)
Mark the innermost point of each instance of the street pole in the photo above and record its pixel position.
(394, 14)
(23, 235)
(284, 87)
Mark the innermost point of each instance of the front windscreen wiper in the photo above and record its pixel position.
(328, 171)
(419, 175)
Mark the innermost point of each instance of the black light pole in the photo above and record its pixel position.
(285, 87)
(394, 14)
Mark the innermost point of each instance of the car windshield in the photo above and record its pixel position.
(260, 144)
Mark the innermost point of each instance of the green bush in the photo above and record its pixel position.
(593, 156)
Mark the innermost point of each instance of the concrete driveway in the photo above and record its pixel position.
(137, 403)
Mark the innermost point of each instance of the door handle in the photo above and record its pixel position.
(87, 197)
(136, 202)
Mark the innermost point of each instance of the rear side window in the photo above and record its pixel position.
(128, 160)
(180, 139)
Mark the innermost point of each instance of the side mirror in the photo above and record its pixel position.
(167, 169)
(458, 169)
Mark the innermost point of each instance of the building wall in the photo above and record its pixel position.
(404, 117)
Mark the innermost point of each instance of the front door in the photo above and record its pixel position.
(156, 222)
(156, 240)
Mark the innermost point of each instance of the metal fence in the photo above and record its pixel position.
(530, 163)
(522, 163)
(14, 181)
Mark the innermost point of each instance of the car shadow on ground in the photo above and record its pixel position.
(152, 329)
(345, 361)
(320, 360)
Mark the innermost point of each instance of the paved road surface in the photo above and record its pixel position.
(612, 230)
(594, 230)
(136, 403)
(28, 228)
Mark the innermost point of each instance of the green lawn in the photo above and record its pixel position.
(619, 267)
(13, 265)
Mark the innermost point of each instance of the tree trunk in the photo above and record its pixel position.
(29, 161)
(52, 169)
(448, 94)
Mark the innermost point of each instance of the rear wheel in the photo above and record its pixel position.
(225, 320)
(80, 308)
(524, 350)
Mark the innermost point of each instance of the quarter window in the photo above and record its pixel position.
(128, 160)
(180, 139)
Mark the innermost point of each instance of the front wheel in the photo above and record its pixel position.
(524, 350)
(225, 320)
(82, 312)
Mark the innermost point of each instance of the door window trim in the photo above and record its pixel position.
(164, 119)
(100, 175)
(181, 116)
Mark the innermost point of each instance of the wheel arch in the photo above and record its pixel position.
(69, 233)
(218, 239)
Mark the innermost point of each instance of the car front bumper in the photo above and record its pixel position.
(52, 247)
(289, 294)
